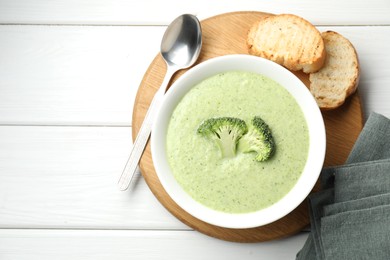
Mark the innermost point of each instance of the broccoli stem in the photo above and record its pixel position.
(226, 144)
(225, 131)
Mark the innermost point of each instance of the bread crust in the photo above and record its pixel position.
(288, 40)
(339, 77)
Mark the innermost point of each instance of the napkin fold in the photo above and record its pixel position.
(350, 216)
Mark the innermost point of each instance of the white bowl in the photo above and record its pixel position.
(317, 141)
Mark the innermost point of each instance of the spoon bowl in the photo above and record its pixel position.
(180, 48)
(182, 41)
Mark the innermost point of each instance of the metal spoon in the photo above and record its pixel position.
(180, 48)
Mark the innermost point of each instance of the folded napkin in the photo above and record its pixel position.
(350, 216)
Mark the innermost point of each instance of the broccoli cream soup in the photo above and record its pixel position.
(237, 183)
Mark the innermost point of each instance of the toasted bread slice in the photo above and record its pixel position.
(339, 77)
(288, 40)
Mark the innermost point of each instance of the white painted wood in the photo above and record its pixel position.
(58, 195)
(88, 75)
(154, 12)
(80, 75)
(147, 245)
(65, 177)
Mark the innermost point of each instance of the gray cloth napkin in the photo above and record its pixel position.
(350, 216)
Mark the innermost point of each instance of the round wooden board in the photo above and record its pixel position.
(226, 34)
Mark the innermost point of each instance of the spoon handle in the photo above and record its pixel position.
(143, 134)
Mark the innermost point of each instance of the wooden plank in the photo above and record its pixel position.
(134, 244)
(65, 177)
(88, 75)
(73, 74)
(226, 34)
(162, 12)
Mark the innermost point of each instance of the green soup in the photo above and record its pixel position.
(238, 184)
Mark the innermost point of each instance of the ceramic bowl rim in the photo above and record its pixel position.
(317, 142)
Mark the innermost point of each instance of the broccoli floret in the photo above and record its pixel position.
(225, 131)
(258, 139)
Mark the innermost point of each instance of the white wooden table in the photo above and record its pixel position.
(69, 72)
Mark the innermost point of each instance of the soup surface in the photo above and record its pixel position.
(238, 184)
